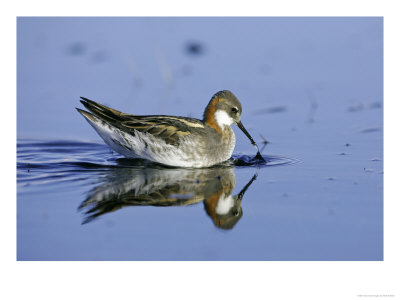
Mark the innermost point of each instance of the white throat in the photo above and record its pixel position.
(223, 118)
(224, 204)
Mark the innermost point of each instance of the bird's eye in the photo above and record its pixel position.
(234, 110)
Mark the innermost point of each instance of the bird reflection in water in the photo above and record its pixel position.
(169, 187)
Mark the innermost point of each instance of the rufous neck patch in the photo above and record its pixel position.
(209, 114)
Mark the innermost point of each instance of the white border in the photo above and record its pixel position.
(199, 280)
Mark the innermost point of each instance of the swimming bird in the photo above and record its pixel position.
(170, 140)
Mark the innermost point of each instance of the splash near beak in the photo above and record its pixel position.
(258, 155)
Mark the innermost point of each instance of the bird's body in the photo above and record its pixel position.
(170, 140)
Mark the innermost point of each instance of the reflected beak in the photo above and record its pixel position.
(240, 125)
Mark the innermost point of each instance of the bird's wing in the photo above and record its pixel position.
(168, 128)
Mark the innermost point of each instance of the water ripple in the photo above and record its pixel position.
(40, 162)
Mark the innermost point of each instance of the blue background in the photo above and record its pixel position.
(313, 87)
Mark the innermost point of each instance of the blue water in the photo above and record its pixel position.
(311, 87)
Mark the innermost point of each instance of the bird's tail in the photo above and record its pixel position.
(100, 111)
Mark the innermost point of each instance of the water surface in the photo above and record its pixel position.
(79, 200)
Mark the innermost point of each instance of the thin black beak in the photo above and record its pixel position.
(240, 125)
(258, 155)
(241, 193)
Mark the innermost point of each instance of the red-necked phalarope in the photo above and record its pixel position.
(169, 140)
